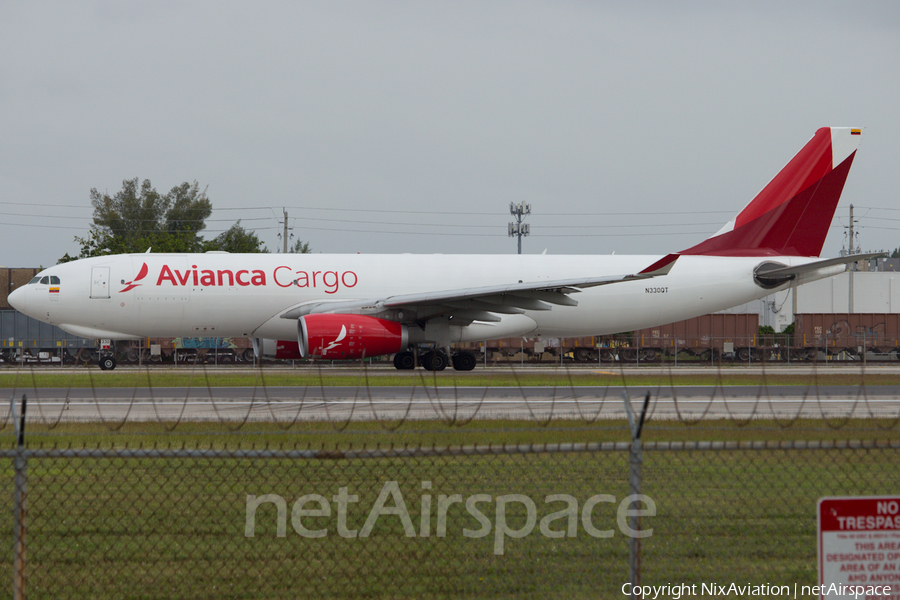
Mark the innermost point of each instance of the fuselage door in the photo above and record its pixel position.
(99, 282)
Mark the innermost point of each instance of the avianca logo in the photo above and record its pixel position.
(336, 342)
(131, 284)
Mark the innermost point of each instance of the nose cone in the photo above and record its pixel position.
(18, 299)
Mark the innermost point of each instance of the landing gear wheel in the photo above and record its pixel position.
(464, 361)
(434, 361)
(404, 361)
(107, 363)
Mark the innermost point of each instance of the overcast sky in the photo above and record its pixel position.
(634, 127)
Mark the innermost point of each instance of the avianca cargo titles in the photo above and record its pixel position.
(328, 281)
(348, 306)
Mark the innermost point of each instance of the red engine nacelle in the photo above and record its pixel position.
(343, 337)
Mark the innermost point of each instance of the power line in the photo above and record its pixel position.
(82, 229)
(413, 212)
(464, 213)
(368, 221)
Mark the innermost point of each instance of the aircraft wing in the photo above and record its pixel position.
(479, 303)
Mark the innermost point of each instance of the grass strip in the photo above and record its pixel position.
(81, 378)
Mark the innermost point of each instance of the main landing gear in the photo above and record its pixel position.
(435, 360)
(404, 361)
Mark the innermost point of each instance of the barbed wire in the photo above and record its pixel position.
(440, 398)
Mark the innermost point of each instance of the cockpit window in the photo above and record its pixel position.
(35, 280)
(45, 280)
(54, 280)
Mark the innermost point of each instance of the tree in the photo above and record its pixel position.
(236, 240)
(300, 247)
(188, 211)
(138, 218)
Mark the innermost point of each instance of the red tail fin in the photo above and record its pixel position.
(791, 215)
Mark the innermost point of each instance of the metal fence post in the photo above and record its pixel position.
(20, 468)
(635, 459)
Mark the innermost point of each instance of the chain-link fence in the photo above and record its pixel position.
(502, 522)
(524, 506)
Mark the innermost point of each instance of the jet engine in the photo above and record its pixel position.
(343, 337)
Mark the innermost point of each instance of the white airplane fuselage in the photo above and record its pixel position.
(244, 294)
(352, 305)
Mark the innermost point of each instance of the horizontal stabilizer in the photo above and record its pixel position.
(819, 264)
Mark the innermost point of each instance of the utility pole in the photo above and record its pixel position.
(852, 244)
(285, 238)
(851, 250)
(519, 229)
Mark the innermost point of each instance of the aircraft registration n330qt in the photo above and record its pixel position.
(348, 306)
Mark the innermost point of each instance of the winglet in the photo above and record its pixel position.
(660, 267)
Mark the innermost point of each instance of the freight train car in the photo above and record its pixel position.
(26, 340)
(706, 337)
(851, 335)
(208, 350)
(733, 337)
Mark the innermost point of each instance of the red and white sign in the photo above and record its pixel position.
(859, 547)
